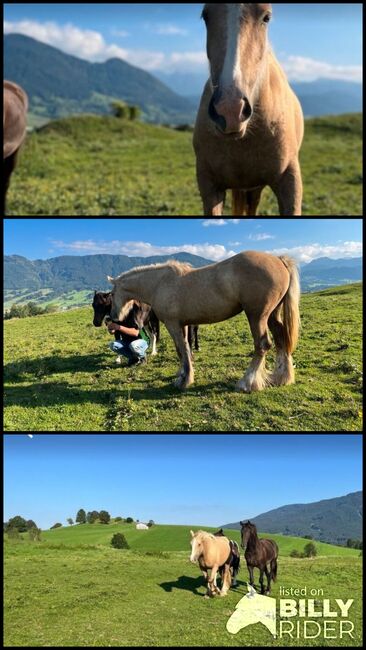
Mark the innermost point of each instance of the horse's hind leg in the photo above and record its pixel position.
(255, 378)
(283, 373)
(226, 580)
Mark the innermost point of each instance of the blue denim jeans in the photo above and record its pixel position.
(135, 349)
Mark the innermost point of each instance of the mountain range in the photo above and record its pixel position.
(59, 84)
(68, 85)
(47, 281)
(330, 520)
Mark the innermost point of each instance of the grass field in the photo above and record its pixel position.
(74, 589)
(102, 166)
(61, 376)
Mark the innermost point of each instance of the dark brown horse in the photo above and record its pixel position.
(259, 553)
(145, 317)
(14, 125)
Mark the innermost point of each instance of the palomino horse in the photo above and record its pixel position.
(265, 287)
(212, 553)
(14, 125)
(259, 553)
(145, 317)
(235, 556)
(250, 124)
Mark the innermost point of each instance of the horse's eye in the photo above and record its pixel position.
(267, 18)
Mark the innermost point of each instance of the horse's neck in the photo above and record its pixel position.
(144, 285)
(253, 542)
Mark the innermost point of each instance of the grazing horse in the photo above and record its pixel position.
(212, 553)
(235, 557)
(102, 305)
(250, 124)
(259, 553)
(14, 125)
(265, 287)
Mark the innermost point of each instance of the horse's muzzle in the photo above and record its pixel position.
(230, 114)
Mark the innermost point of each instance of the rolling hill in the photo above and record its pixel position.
(68, 85)
(330, 520)
(171, 538)
(104, 166)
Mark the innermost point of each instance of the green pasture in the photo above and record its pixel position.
(61, 593)
(61, 376)
(102, 166)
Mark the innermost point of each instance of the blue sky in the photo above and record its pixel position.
(213, 239)
(165, 477)
(312, 40)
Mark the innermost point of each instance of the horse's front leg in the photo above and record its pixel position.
(186, 376)
(251, 575)
(261, 580)
(289, 191)
(213, 588)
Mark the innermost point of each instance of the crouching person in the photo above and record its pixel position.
(133, 342)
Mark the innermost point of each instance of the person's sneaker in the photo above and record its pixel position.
(136, 361)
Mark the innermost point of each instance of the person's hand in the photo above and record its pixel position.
(112, 327)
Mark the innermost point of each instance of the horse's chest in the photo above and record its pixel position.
(240, 165)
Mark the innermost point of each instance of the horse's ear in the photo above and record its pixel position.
(192, 533)
(111, 280)
(241, 523)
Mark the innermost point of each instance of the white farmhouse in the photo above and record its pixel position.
(141, 526)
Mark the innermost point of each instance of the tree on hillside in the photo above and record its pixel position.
(81, 517)
(119, 541)
(120, 110)
(91, 517)
(310, 550)
(70, 521)
(17, 522)
(129, 520)
(31, 524)
(104, 517)
(58, 525)
(13, 534)
(134, 112)
(151, 523)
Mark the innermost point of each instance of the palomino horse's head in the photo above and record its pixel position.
(122, 300)
(247, 529)
(197, 540)
(237, 43)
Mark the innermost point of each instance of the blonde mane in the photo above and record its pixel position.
(204, 533)
(179, 268)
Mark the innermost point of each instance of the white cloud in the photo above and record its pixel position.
(261, 237)
(311, 252)
(215, 252)
(300, 68)
(220, 222)
(90, 45)
(168, 30)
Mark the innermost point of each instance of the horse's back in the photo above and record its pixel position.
(14, 118)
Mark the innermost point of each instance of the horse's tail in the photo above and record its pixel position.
(291, 306)
(274, 569)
